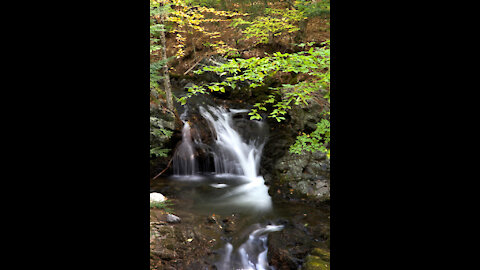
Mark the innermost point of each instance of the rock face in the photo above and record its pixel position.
(164, 129)
(305, 175)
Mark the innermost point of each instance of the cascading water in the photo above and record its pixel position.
(252, 254)
(184, 157)
(184, 161)
(233, 155)
(236, 152)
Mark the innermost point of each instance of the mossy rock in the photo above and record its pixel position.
(316, 263)
(323, 254)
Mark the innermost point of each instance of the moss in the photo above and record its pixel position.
(316, 263)
(323, 254)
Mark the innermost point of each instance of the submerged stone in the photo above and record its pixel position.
(173, 219)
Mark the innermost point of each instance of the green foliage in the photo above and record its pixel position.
(316, 141)
(155, 76)
(265, 28)
(165, 205)
(155, 28)
(315, 63)
(204, 3)
(161, 134)
(314, 8)
(158, 152)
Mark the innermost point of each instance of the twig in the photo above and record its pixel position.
(192, 67)
(168, 165)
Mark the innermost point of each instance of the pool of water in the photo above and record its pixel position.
(257, 217)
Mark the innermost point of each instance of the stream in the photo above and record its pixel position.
(216, 174)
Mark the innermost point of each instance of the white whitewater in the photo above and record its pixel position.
(184, 162)
(252, 254)
(234, 155)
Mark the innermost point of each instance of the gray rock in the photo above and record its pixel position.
(173, 219)
(308, 174)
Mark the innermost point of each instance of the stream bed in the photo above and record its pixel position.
(215, 228)
(229, 220)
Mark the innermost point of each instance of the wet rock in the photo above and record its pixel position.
(211, 219)
(287, 248)
(229, 225)
(173, 219)
(282, 260)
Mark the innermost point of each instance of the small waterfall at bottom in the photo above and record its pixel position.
(252, 254)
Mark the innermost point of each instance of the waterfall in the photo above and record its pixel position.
(236, 147)
(233, 154)
(184, 162)
(252, 254)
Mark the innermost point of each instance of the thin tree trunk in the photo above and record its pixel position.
(166, 77)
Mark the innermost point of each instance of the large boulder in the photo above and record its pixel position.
(305, 175)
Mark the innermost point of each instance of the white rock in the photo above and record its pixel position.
(157, 197)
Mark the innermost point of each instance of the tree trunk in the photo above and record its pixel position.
(166, 77)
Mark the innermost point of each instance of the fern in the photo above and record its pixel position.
(159, 152)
